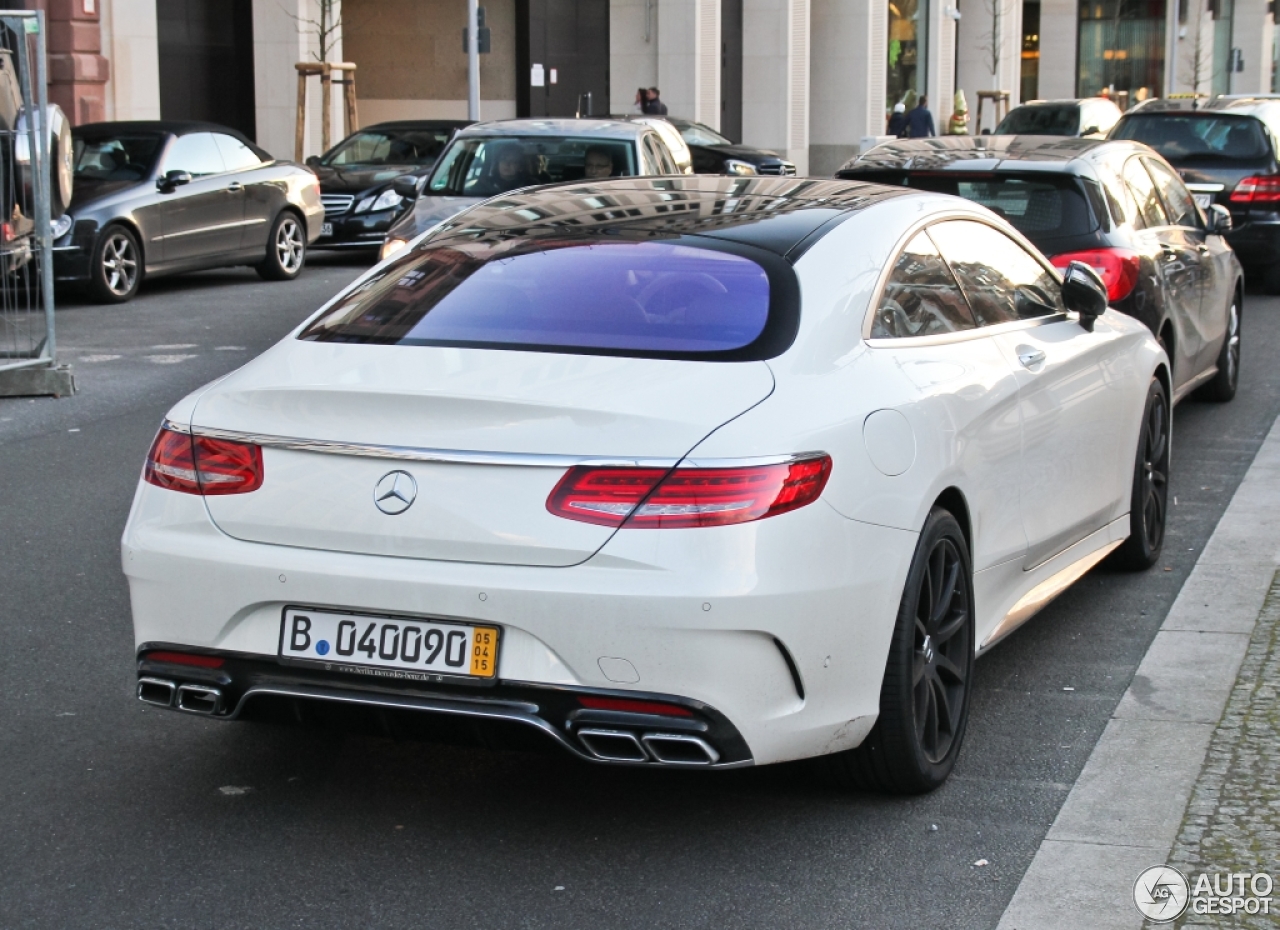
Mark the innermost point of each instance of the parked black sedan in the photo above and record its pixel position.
(356, 177)
(1116, 206)
(714, 154)
(159, 197)
(1227, 152)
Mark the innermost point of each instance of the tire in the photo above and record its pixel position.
(1149, 500)
(61, 160)
(912, 748)
(116, 268)
(286, 249)
(1223, 386)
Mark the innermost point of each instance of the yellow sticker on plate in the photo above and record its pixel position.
(484, 652)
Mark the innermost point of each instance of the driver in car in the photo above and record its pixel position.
(599, 163)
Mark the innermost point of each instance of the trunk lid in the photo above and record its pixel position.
(505, 426)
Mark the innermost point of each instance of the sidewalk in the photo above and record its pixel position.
(1185, 773)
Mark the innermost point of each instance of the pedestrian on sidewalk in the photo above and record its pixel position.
(920, 121)
(653, 105)
(898, 121)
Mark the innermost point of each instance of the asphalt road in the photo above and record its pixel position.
(115, 815)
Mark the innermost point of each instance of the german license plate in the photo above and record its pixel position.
(326, 229)
(1203, 201)
(427, 647)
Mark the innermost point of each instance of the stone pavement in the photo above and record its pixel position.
(1185, 773)
(1233, 821)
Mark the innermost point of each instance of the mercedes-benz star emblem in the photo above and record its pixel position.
(395, 492)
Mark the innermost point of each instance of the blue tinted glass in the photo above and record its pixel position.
(629, 296)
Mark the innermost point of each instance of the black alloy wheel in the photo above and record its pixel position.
(1149, 503)
(116, 269)
(286, 249)
(1223, 386)
(924, 698)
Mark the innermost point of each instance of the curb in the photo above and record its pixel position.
(1126, 809)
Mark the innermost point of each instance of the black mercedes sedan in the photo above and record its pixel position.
(158, 197)
(357, 174)
(1118, 207)
(714, 154)
(1227, 152)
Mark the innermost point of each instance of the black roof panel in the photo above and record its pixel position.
(994, 153)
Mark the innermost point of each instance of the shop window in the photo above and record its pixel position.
(1121, 49)
(908, 50)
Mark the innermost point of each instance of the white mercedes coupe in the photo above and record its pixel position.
(697, 471)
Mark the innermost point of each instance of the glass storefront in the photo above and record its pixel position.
(1121, 48)
(908, 49)
(1223, 13)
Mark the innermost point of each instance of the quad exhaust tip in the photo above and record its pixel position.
(194, 699)
(156, 691)
(662, 748)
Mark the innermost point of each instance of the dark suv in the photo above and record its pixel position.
(1115, 206)
(1227, 153)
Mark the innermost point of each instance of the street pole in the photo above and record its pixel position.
(473, 60)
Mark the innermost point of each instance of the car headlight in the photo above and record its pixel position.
(61, 226)
(733, 166)
(390, 246)
(387, 200)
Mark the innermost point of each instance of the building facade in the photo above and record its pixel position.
(812, 79)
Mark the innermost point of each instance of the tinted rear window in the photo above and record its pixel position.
(644, 298)
(1197, 136)
(1042, 207)
(1041, 121)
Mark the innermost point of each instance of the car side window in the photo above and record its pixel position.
(235, 154)
(1177, 199)
(1003, 281)
(1144, 192)
(196, 153)
(652, 156)
(921, 297)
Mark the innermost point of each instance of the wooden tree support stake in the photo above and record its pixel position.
(325, 70)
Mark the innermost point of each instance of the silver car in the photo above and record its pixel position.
(489, 159)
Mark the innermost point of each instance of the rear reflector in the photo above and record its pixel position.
(633, 707)
(1119, 268)
(202, 465)
(1261, 188)
(655, 498)
(185, 658)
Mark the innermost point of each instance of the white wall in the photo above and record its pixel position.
(775, 78)
(278, 44)
(633, 51)
(841, 94)
(1058, 30)
(130, 42)
(1253, 35)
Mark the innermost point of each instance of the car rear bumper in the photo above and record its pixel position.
(781, 627)
(1256, 242)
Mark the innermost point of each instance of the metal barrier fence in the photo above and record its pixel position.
(35, 188)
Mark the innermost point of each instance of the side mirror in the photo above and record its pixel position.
(1084, 292)
(1220, 222)
(313, 161)
(407, 186)
(1091, 131)
(172, 179)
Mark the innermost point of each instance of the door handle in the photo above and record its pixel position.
(1029, 357)
(235, 187)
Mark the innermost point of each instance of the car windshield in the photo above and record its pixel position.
(128, 157)
(1041, 121)
(389, 147)
(573, 294)
(482, 166)
(698, 134)
(1196, 136)
(1040, 207)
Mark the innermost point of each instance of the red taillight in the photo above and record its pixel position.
(654, 498)
(185, 658)
(1119, 268)
(633, 707)
(1261, 188)
(202, 465)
